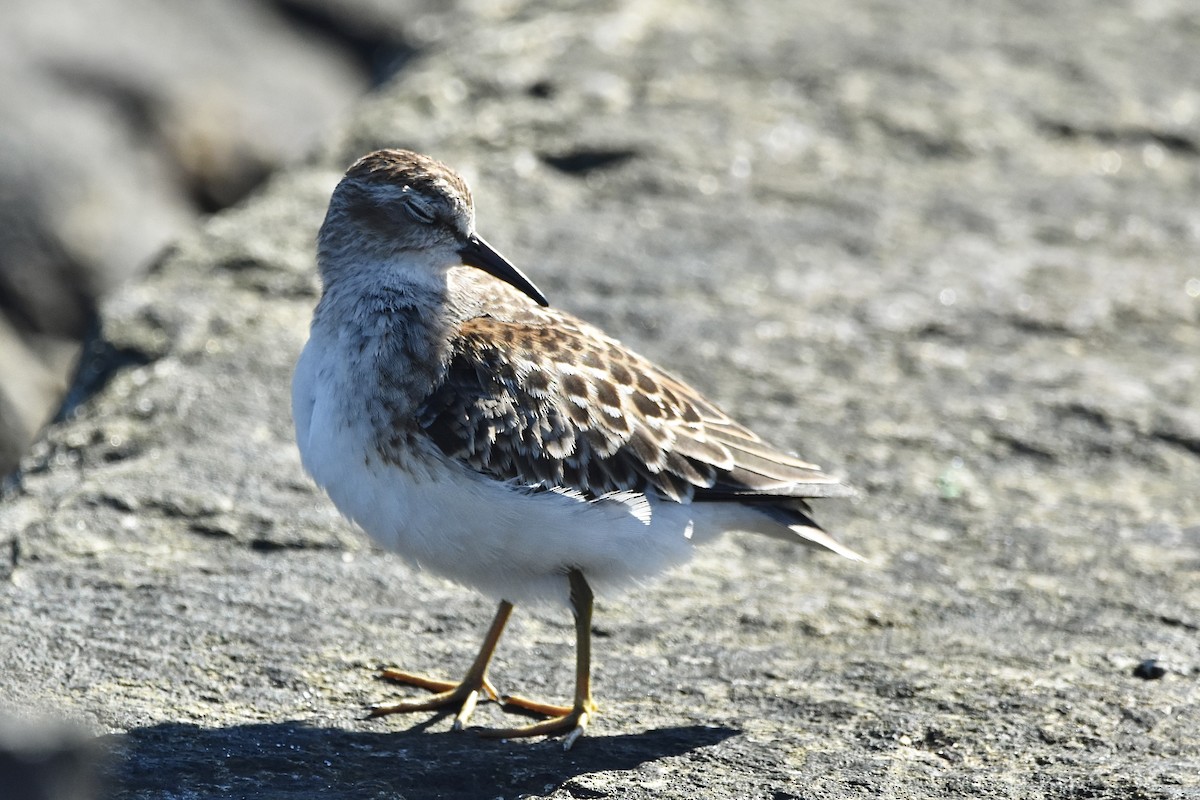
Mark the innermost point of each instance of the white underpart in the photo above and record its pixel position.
(495, 536)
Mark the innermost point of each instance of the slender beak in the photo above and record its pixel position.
(478, 253)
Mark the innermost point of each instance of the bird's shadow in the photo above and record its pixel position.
(297, 760)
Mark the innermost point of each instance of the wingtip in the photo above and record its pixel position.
(819, 538)
(852, 555)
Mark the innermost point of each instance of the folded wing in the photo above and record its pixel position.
(549, 401)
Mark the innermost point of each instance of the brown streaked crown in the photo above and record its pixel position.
(422, 174)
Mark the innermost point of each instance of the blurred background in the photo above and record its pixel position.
(123, 121)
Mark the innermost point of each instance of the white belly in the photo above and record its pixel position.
(494, 536)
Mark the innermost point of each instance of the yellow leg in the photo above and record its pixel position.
(572, 720)
(464, 694)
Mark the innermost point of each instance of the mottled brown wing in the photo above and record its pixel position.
(554, 402)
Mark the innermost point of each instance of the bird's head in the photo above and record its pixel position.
(397, 207)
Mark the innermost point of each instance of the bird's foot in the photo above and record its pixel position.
(569, 720)
(463, 695)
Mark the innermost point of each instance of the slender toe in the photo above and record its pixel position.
(572, 724)
(438, 701)
(414, 679)
(524, 705)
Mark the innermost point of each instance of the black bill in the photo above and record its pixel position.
(478, 253)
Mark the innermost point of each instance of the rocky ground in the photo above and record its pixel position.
(950, 254)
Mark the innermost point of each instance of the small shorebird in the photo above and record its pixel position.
(507, 445)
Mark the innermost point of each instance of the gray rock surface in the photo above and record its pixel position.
(951, 255)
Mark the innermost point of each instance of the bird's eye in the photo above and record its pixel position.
(417, 207)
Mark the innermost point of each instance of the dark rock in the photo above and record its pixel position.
(1149, 670)
(42, 760)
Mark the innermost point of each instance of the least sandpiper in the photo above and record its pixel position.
(464, 423)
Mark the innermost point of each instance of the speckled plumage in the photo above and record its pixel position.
(467, 425)
(544, 399)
